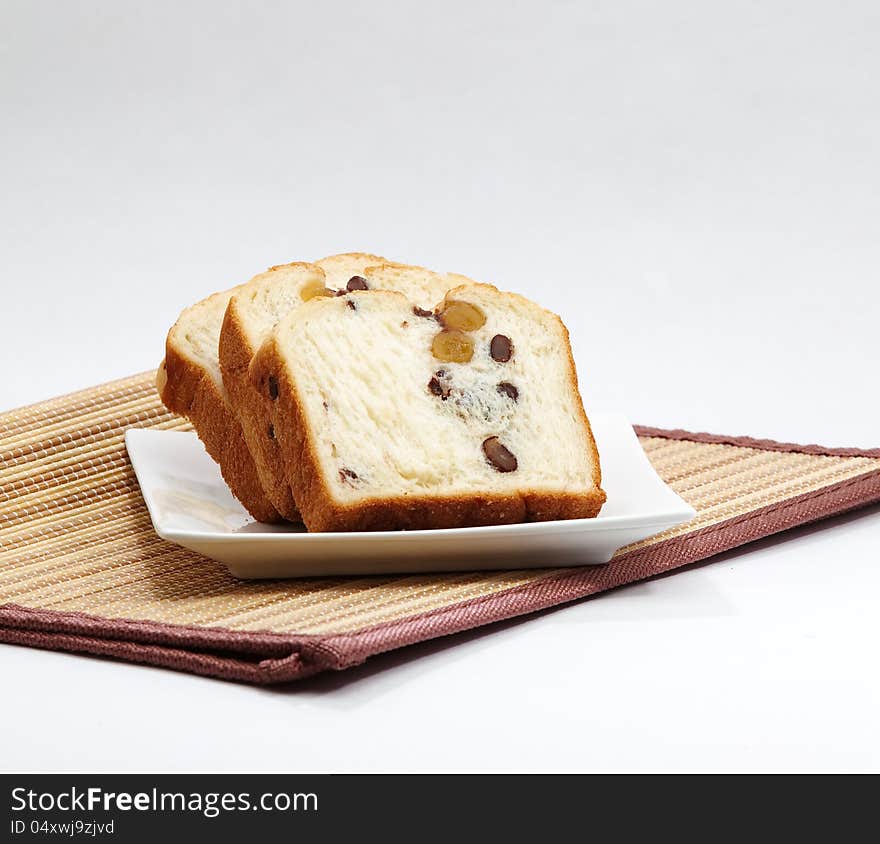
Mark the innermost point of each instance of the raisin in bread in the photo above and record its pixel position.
(257, 306)
(389, 415)
(190, 384)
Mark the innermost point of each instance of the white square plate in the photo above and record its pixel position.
(191, 506)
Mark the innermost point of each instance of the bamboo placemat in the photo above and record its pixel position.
(82, 570)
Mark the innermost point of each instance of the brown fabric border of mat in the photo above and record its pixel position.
(638, 565)
(276, 657)
(750, 442)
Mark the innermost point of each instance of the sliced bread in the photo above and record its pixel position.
(257, 306)
(190, 384)
(250, 316)
(391, 416)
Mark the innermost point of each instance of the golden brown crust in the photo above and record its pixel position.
(365, 258)
(573, 379)
(322, 512)
(188, 390)
(254, 410)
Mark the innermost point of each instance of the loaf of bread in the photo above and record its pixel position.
(257, 306)
(389, 413)
(190, 384)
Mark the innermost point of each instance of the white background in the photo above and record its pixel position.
(695, 187)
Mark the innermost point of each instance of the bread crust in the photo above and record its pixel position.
(573, 381)
(187, 389)
(322, 512)
(253, 408)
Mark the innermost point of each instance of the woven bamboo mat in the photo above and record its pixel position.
(82, 570)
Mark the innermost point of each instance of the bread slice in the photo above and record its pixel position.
(250, 316)
(258, 305)
(377, 433)
(190, 384)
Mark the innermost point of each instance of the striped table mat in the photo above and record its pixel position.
(82, 570)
